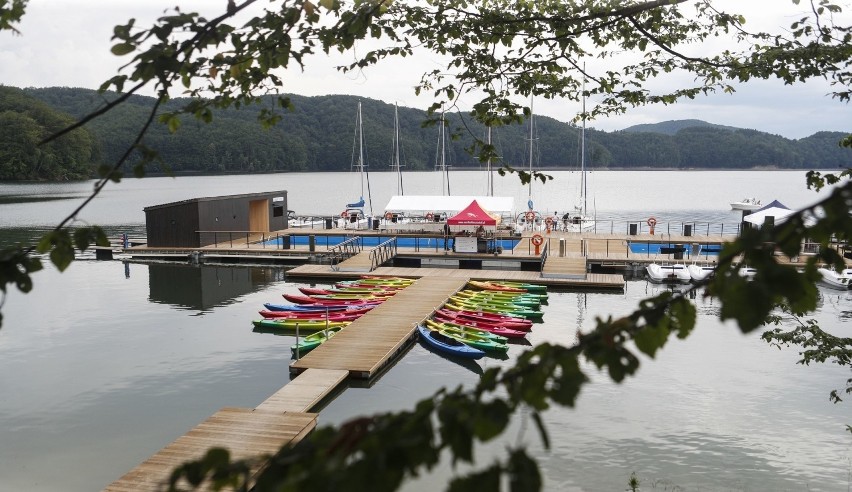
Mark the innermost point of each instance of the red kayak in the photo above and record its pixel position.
(332, 316)
(332, 302)
(520, 324)
(481, 325)
(311, 291)
(488, 316)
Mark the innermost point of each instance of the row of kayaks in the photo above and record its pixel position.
(483, 318)
(474, 323)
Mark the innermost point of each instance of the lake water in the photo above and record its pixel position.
(106, 363)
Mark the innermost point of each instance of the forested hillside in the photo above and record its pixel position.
(24, 122)
(319, 135)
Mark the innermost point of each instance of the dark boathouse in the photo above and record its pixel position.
(202, 221)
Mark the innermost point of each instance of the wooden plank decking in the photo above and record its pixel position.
(358, 263)
(364, 347)
(246, 433)
(305, 391)
(591, 281)
(569, 267)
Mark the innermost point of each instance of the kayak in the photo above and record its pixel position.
(302, 307)
(447, 344)
(487, 316)
(480, 325)
(517, 300)
(510, 322)
(508, 286)
(502, 305)
(302, 324)
(455, 327)
(312, 341)
(317, 315)
(310, 291)
(481, 340)
(339, 302)
(507, 295)
(488, 308)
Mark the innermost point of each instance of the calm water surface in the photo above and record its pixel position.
(106, 363)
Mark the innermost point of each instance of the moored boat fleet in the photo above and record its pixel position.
(474, 322)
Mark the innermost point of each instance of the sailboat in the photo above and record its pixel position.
(353, 217)
(441, 158)
(580, 221)
(393, 218)
(529, 219)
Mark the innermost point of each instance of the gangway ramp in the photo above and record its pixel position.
(571, 266)
(358, 263)
(369, 343)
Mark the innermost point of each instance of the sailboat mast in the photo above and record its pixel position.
(532, 130)
(361, 148)
(399, 188)
(490, 185)
(583, 154)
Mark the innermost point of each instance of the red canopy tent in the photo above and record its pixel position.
(473, 214)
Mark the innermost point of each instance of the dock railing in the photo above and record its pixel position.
(340, 252)
(382, 253)
(544, 253)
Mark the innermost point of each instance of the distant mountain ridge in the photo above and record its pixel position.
(671, 127)
(318, 134)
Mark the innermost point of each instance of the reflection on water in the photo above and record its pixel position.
(201, 287)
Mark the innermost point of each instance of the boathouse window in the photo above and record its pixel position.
(277, 211)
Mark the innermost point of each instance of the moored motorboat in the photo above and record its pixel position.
(746, 204)
(677, 273)
(698, 272)
(835, 279)
(448, 345)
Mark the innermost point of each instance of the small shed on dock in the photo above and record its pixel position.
(200, 222)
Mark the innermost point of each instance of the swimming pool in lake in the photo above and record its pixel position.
(372, 241)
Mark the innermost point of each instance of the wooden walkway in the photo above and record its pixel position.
(591, 280)
(358, 263)
(569, 267)
(364, 347)
(246, 433)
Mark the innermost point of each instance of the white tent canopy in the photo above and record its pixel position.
(776, 210)
(500, 205)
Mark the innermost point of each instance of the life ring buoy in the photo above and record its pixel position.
(537, 239)
(651, 221)
(549, 221)
(388, 216)
(430, 216)
(343, 214)
(530, 216)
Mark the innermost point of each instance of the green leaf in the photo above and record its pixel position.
(122, 49)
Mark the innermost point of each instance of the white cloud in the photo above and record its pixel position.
(66, 43)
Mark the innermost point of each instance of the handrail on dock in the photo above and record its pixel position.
(347, 248)
(382, 253)
(544, 253)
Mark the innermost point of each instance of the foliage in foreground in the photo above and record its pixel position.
(381, 451)
(503, 49)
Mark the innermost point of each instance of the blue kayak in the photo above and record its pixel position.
(448, 345)
(302, 307)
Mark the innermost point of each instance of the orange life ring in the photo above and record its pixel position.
(652, 221)
(537, 239)
(530, 216)
(430, 216)
(343, 214)
(549, 221)
(388, 216)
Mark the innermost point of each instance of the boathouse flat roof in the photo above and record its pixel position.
(281, 193)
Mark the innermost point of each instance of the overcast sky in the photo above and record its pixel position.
(66, 43)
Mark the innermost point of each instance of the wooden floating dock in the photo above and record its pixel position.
(372, 341)
(605, 281)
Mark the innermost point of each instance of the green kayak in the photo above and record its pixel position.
(314, 340)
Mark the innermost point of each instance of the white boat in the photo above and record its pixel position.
(698, 273)
(747, 272)
(746, 204)
(838, 280)
(677, 273)
(580, 220)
